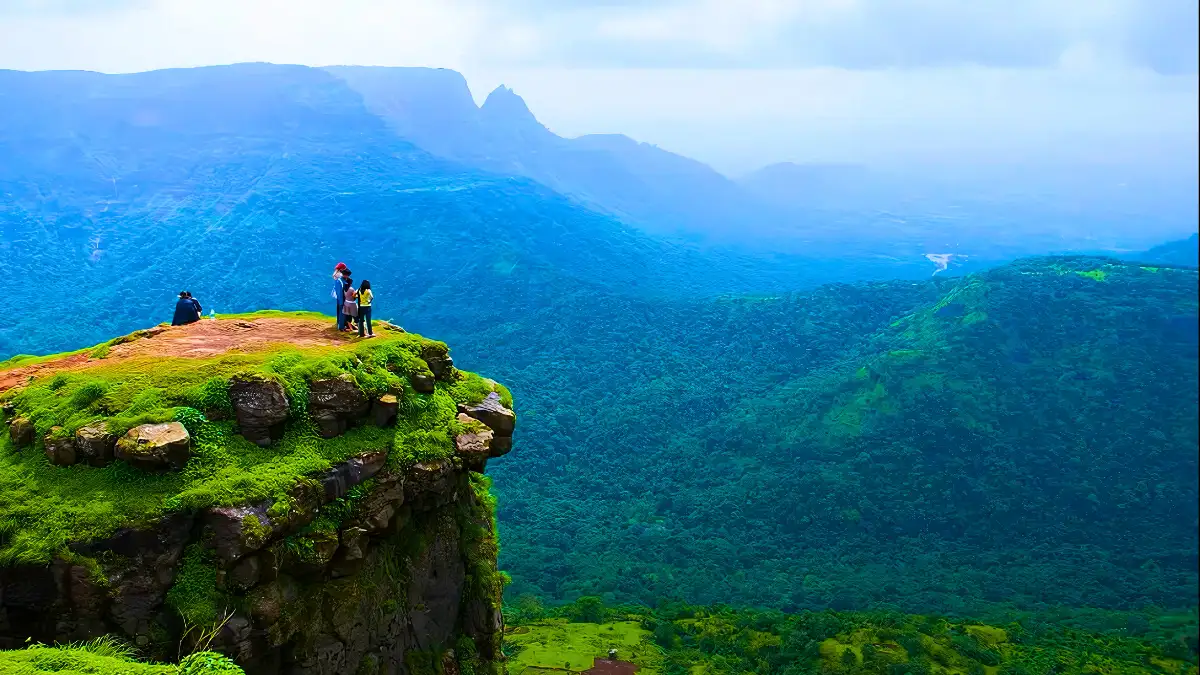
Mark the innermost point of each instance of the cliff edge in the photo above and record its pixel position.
(260, 486)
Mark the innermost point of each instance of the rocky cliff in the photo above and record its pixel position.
(258, 486)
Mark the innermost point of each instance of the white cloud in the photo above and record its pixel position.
(182, 33)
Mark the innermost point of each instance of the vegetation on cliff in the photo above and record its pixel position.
(106, 656)
(254, 484)
(43, 507)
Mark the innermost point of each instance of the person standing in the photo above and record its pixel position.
(339, 294)
(185, 310)
(350, 305)
(365, 296)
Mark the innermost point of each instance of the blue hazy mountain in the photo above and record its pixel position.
(984, 214)
(121, 190)
(994, 212)
(656, 189)
(1181, 252)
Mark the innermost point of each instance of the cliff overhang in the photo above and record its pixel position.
(260, 485)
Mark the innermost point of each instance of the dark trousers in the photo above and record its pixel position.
(364, 320)
(341, 318)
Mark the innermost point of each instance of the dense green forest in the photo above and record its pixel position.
(1025, 437)
(675, 638)
(696, 424)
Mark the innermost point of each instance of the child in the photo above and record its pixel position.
(349, 306)
(364, 308)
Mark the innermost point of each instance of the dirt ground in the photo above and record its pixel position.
(606, 667)
(201, 339)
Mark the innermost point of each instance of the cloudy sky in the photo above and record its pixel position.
(737, 83)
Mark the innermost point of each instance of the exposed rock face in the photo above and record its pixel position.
(475, 447)
(496, 417)
(21, 432)
(156, 447)
(336, 404)
(65, 601)
(261, 407)
(439, 361)
(492, 413)
(94, 445)
(384, 410)
(422, 382)
(59, 450)
(316, 602)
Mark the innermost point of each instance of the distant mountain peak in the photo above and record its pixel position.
(505, 112)
(506, 103)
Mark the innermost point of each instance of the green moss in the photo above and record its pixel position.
(481, 546)
(471, 388)
(194, 596)
(208, 663)
(42, 508)
(421, 662)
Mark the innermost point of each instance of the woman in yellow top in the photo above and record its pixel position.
(364, 308)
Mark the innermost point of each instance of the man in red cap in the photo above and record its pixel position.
(339, 294)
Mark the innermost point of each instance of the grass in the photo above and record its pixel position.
(43, 507)
(1095, 275)
(554, 645)
(108, 656)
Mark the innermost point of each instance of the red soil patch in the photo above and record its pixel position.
(201, 339)
(606, 667)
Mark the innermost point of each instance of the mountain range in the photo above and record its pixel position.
(704, 414)
(818, 209)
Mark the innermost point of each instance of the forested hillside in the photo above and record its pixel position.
(1023, 437)
(696, 423)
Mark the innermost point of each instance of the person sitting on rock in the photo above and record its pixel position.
(199, 309)
(185, 310)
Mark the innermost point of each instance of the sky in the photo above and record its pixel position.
(735, 83)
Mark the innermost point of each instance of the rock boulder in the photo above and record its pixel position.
(21, 431)
(336, 404)
(493, 413)
(156, 447)
(60, 450)
(422, 382)
(384, 410)
(475, 445)
(261, 407)
(94, 445)
(437, 357)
